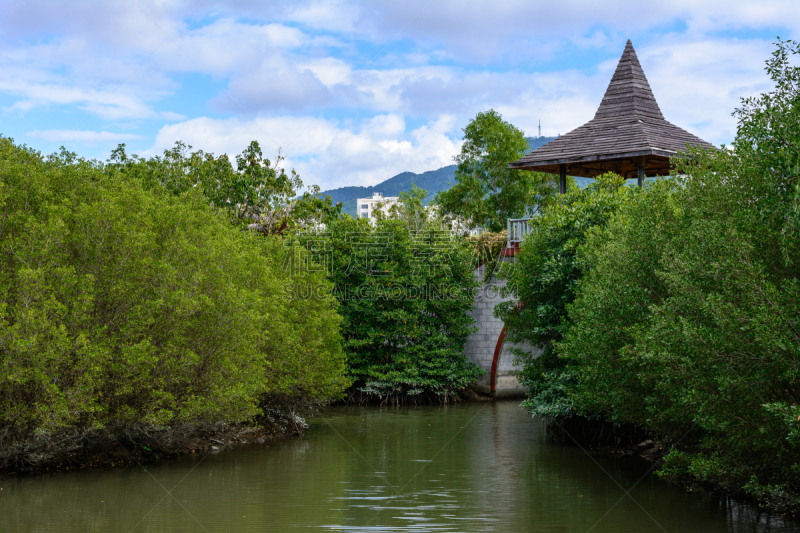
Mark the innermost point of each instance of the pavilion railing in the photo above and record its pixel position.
(516, 230)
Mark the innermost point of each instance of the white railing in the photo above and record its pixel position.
(516, 230)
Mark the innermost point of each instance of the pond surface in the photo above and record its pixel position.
(471, 467)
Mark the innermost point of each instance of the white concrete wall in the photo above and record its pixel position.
(369, 212)
(480, 346)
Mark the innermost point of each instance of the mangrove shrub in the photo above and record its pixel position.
(122, 307)
(687, 321)
(404, 288)
(542, 282)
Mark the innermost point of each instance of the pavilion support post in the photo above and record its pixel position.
(562, 178)
(640, 179)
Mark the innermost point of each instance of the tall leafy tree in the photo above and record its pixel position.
(543, 282)
(410, 209)
(487, 192)
(258, 193)
(404, 289)
(685, 317)
(126, 309)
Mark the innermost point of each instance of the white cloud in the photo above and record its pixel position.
(442, 63)
(525, 32)
(699, 84)
(324, 152)
(111, 103)
(384, 127)
(274, 84)
(126, 71)
(329, 70)
(332, 15)
(83, 136)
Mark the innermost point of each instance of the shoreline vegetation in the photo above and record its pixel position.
(144, 301)
(149, 308)
(142, 446)
(675, 308)
(141, 295)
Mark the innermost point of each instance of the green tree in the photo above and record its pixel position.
(542, 282)
(403, 293)
(687, 319)
(257, 194)
(124, 310)
(487, 192)
(411, 210)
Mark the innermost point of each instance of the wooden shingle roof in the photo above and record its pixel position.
(627, 126)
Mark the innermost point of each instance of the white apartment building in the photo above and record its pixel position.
(367, 207)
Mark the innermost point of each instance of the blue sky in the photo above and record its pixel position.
(356, 92)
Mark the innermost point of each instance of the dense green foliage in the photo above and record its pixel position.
(257, 194)
(700, 280)
(125, 305)
(404, 288)
(543, 280)
(686, 320)
(487, 192)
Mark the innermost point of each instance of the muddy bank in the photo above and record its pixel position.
(75, 449)
(356, 396)
(109, 447)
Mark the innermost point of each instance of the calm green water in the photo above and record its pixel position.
(475, 467)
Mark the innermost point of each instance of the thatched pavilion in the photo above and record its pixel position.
(628, 134)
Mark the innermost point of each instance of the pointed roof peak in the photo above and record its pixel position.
(628, 51)
(628, 93)
(627, 132)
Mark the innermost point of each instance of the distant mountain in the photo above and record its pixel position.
(432, 181)
(538, 142)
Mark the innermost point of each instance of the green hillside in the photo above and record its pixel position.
(536, 142)
(432, 181)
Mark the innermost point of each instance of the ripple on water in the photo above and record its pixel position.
(463, 468)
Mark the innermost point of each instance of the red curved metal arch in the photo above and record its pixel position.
(497, 349)
(506, 252)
